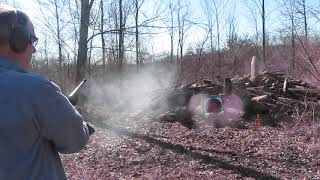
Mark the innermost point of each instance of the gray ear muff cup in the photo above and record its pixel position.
(19, 39)
(20, 36)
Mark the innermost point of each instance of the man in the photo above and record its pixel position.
(36, 120)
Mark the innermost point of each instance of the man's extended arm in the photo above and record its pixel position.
(59, 121)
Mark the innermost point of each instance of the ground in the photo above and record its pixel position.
(131, 147)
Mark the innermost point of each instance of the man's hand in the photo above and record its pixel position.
(91, 129)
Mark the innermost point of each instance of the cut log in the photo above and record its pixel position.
(285, 85)
(260, 98)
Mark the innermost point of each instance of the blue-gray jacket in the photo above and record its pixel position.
(36, 122)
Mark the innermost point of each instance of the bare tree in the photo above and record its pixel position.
(57, 14)
(93, 25)
(289, 12)
(74, 7)
(218, 32)
(232, 38)
(121, 36)
(169, 20)
(138, 5)
(206, 6)
(184, 23)
(83, 40)
(254, 10)
(263, 17)
(258, 7)
(304, 14)
(113, 23)
(315, 12)
(55, 24)
(171, 26)
(103, 43)
(213, 10)
(200, 46)
(300, 7)
(291, 15)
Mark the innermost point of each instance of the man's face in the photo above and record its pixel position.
(26, 56)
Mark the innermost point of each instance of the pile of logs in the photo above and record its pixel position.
(273, 95)
(279, 94)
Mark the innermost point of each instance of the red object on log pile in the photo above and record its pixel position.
(213, 104)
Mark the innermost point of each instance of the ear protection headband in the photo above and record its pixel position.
(20, 36)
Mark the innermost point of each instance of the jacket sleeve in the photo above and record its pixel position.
(59, 122)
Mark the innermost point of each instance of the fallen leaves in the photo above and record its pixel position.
(171, 151)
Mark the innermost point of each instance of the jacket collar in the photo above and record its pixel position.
(10, 64)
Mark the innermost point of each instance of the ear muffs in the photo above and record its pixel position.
(19, 37)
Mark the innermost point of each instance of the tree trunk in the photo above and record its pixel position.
(218, 36)
(137, 35)
(305, 19)
(60, 74)
(171, 33)
(263, 34)
(103, 43)
(121, 41)
(83, 49)
(292, 45)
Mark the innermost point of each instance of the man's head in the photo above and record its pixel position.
(17, 37)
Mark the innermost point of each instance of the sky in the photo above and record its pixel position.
(244, 21)
(195, 34)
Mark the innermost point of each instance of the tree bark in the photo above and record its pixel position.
(121, 36)
(137, 35)
(305, 19)
(57, 16)
(263, 34)
(218, 35)
(83, 46)
(103, 43)
(292, 46)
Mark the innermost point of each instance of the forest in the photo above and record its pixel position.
(92, 38)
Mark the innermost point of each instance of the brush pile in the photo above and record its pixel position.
(280, 95)
(132, 145)
(273, 95)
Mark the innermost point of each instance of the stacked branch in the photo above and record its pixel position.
(270, 93)
(282, 95)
